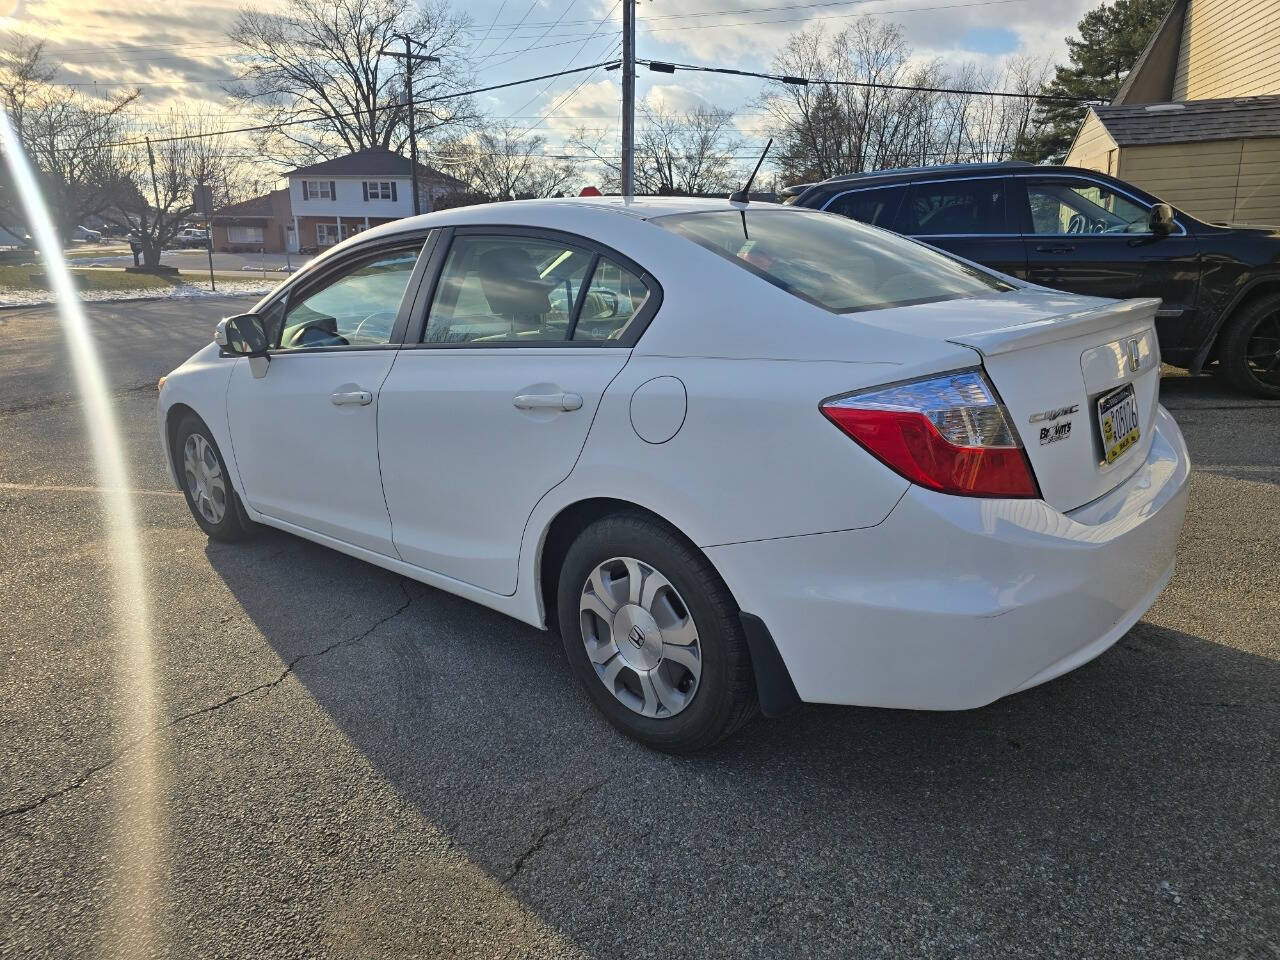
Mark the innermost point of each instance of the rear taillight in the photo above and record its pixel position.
(949, 433)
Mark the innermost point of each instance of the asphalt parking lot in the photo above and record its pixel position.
(347, 764)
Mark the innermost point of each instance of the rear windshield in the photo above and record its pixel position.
(832, 261)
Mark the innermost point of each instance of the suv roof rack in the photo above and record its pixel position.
(940, 168)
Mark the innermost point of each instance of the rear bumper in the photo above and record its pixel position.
(951, 602)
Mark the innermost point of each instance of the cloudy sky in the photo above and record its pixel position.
(177, 49)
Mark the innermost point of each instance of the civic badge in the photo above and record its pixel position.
(1135, 355)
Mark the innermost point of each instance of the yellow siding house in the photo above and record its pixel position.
(1197, 121)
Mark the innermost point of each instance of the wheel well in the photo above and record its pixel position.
(564, 529)
(171, 421)
(1264, 288)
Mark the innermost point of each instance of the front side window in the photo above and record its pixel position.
(831, 261)
(496, 289)
(357, 308)
(877, 207)
(954, 207)
(1082, 206)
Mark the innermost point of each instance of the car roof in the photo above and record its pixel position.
(911, 173)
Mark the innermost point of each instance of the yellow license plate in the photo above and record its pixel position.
(1118, 421)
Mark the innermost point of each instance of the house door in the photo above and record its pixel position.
(291, 238)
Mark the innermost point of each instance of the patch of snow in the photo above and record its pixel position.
(183, 291)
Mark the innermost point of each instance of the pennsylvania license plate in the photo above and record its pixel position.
(1118, 421)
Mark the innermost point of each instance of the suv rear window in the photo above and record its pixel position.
(831, 261)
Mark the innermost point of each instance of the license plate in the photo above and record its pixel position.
(1118, 421)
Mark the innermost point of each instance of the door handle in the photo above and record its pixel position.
(548, 401)
(1056, 248)
(341, 398)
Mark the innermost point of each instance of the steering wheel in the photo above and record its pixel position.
(1077, 223)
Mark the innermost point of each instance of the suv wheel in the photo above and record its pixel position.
(1250, 350)
(654, 636)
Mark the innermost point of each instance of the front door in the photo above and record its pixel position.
(304, 434)
(490, 410)
(1083, 236)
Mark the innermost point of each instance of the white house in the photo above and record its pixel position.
(331, 200)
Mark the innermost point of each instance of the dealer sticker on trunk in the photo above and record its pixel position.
(1118, 421)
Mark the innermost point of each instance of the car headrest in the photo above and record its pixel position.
(510, 283)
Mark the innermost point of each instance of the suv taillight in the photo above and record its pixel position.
(948, 433)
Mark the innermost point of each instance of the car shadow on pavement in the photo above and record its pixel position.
(1127, 803)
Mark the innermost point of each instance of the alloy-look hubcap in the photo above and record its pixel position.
(204, 478)
(640, 637)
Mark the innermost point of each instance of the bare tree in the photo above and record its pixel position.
(69, 139)
(317, 66)
(501, 162)
(678, 152)
(162, 181)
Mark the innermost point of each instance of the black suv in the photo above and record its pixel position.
(1089, 233)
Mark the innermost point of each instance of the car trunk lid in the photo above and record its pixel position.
(1081, 388)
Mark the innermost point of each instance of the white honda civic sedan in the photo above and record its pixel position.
(738, 455)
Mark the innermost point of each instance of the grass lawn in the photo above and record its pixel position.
(19, 277)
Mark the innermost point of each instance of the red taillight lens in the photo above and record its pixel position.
(948, 433)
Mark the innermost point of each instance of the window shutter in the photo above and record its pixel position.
(333, 190)
(365, 184)
(393, 190)
(304, 191)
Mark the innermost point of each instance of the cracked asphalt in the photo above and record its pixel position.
(342, 763)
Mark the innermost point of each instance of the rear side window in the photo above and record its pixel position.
(877, 207)
(831, 261)
(969, 207)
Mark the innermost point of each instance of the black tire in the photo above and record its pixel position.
(234, 524)
(1250, 344)
(724, 697)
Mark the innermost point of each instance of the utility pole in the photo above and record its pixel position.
(628, 97)
(410, 58)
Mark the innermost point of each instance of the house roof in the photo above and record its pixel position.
(247, 209)
(1192, 121)
(1151, 78)
(372, 163)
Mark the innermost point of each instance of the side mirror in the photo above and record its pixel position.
(242, 335)
(1160, 220)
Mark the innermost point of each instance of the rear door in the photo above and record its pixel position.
(488, 407)
(1085, 236)
(968, 217)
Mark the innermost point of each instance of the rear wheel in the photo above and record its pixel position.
(654, 636)
(206, 483)
(1250, 352)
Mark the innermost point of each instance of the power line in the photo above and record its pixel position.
(258, 128)
(661, 66)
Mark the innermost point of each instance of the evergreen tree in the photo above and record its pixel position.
(1112, 37)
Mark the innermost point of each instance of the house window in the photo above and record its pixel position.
(244, 234)
(327, 234)
(379, 190)
(317, 189)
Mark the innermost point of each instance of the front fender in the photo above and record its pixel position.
(201, 385)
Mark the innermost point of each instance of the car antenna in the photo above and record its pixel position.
(743, 195)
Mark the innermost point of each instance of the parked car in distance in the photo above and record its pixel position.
(85, 234)
(737, 454)
(1085, 232)
(192, 238)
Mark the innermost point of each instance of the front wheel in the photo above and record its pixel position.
(1250, 352)
(652, 633)
(206, 483)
